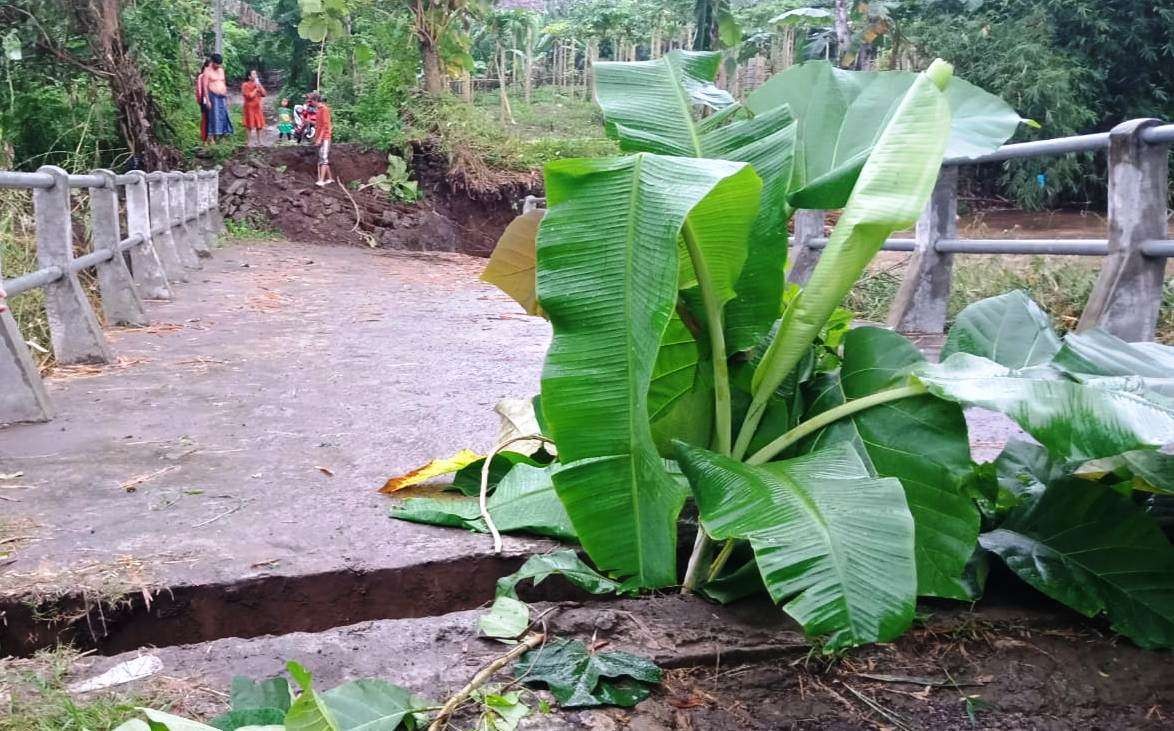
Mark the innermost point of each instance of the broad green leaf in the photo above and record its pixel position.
(842, 114)
(832, 541)
(581, 679)
(503, 711)
(803, 16)
(557, 563)
(511, 265)
(467, 479)
(314, 28)
(524, 502)
(309, 712)
(1025, 470)
(890, 193)
(1095, 551)
(249, 720)
(435, 468)
(372, 705)
(12, 47)
(740, 583)
(271, 693)
(922, 441)
(607, 278)
(174, 723)
(1009, 329)
(1147, 471)
(1076, 422)
(1099, 353)
(675, 369)
(506, 619)
(648, 105)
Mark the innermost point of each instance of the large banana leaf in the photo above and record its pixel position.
(1009, 329)
(831, 540)
(511, 265)
(1075, 421)
(607, 278)
(922, 441)
(843, 113)
(649, 106)
(892, 189)
(1100, 353)
(1094, 550)
(675, 368)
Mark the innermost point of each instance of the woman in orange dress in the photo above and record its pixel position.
(253, 92)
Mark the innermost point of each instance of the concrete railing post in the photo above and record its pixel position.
(921, 302)
(808, 225)
(217, 216)
(195, 214)
(120, 299)
(22, 394)
(146, 267)
(181, 232)
(162, 233)
(73, 328)
(1128, 292)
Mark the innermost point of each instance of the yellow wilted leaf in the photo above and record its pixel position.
(435, 468)
(511, 267)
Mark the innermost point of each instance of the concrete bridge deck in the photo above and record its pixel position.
(238, 444)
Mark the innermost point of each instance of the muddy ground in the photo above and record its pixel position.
(463, 208)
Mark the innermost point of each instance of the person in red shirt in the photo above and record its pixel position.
(323, 135)
(254, 117)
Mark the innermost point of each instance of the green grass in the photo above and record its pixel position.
(1060, 285)
(252, 229)
(18, 255)
(33, 697)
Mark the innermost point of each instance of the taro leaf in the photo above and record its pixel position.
(1009, 329)
(1095, 551)
(830, 539)
(249, 720)
(270, 693)
(506, 619)
(511, 265)
(524, 502)
(648, 106)
(1076, 422)
(11, 45)
(922, 441)
(563, 563)
(842, 114)
(467, 479)
(581, 679)
(890, 193)
(309, 712)
(372, 705)
(314, 28)
(435, 468)
(607, 278)
(1099, 353)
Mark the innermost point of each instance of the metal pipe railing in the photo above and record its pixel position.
(168, 216)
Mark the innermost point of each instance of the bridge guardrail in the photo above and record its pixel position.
(172, 220)
(1128, 292)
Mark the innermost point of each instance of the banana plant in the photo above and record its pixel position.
(834, 471)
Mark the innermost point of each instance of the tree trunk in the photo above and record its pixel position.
(507, 114)
(529, 66)
(433, 75)
(139, 117)
(843, 32)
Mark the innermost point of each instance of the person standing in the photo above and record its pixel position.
(285, 122)
(201, 99)
(216, 99)
(323, 135)
(254, 117)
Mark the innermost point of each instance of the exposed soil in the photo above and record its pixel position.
(465, 206)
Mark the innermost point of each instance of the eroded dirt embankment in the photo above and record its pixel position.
(464, 208)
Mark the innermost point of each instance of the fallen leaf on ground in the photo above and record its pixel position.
(10, 475)
(435, 468)
(325, 470)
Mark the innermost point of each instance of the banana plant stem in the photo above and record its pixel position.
(832, 415)
(723, 421)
